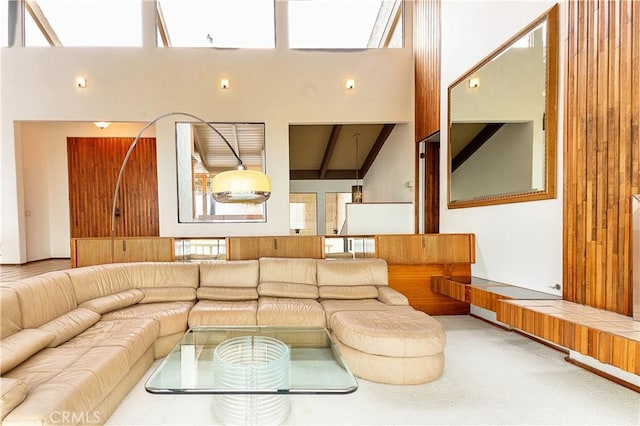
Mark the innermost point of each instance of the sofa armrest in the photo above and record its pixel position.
(113, 302)
(20, 346)
(391, 297)
(12, 393)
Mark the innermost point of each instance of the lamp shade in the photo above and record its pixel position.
(241, 186)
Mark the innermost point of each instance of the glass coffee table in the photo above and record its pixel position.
(251, 370)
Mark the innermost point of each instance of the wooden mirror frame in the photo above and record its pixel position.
(551, 125)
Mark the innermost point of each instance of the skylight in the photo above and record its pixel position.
(344, 24)
(219, 23)
(312, 24)
(84, 23)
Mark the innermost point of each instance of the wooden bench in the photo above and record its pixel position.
(606, 336)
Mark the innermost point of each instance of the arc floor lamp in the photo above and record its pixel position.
(231, 186)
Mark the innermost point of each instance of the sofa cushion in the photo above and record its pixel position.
(352, 272)
(287, 270)
(280, 289)
(285, 277)
(75, 391)
(44, 297)
(288, 311)
(351, 279)
(168, 294)
(92, 282)
(399, 333)
(332, 306)
(135, 335)
(171, 316)
(22, 345)
(227, 293)
(69, 325)
(344, 292)
(12, 393)
(112, 302)
(213, 312)
(147, 275)
(233, 274)
(11, 318)
(44, 365)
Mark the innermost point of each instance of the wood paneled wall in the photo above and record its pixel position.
(601, 152)
(93, 165)
(426, 51)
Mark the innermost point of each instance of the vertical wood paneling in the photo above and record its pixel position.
(426, 48)
(601, 162)
(432, 184)
(93, 165)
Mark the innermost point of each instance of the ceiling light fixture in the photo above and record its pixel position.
(101, 124)
(350, 84)
(81, 82)
(232, 186)
(224, 83)
(474, 82)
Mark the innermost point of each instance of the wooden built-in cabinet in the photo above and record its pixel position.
(242, 248)
(96, 251)
(414, 259)
(426, 248)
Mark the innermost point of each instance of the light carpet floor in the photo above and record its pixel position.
(491, 377)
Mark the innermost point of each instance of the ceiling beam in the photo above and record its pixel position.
(315, 174)
(201, 150)
(328, 152)
(162, 26)
(42, 22)
(375, 149)
(475, 144)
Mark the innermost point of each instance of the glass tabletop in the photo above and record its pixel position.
(205, 354)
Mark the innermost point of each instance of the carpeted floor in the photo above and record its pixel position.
(491, 377)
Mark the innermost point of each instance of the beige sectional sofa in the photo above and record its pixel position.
(73, 343)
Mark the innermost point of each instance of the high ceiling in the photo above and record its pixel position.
(329, 151)
(212, 153)
(322, 152)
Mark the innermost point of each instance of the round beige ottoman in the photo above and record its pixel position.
(395, 346)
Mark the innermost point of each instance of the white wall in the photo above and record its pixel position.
(502, 165)
(276, 87)
(46, 181)
(519, 243)
(394, 166)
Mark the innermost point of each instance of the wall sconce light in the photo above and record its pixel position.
(81, 82)
(350, 84)
(101, 124)
(474, 82)
(224, 83)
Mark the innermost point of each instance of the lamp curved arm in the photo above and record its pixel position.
(133, 145)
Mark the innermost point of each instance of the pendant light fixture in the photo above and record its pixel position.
(356, 190)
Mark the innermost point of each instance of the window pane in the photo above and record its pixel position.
(302, 213)
(201, 153)
(91, 22)
(219, 23)
(343, 24)
(32, 34)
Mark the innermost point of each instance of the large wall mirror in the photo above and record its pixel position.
(503, 121)
(201, 154)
